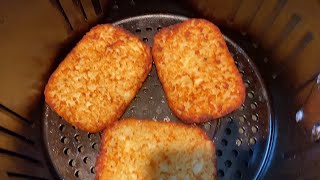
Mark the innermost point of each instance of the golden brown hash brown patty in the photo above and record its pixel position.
(97, 80)
(146, 149)
(197, 72)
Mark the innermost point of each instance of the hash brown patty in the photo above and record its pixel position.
(147, 149)
(197, 72)
(94, 84)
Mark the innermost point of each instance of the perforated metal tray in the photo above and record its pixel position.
(242, 138)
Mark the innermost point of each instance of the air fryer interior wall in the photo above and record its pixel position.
(281, 37)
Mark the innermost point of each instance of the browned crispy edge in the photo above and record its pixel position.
(124, 122)
(119, 113)
(205, 117)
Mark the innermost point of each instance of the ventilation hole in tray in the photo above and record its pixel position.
(228, 163)
(207, 126)
(219, 153)
(138, 30)
(62, 127)
(238, 142)
(92, 170)
(246, 84)
(115, 7)
(230, 120)
(242, 107)
(235, 153)
(145, 112)
(237, 174)
(77, 174)
(254, 117)
(254, 129)
(149, 29)
(80, 149)
(159, 28)
(132, 109)
(265, 60)
(238, 66)
(95, 146)
(86, 160)
(224, 142)
(159, 110)
(66, 151)
(253, 106)
(72, 163)
(137, 98)
(252, 141)
(241, 130)
(220, 173)
(90, 135)
(77, 138)
(242, 73)
(145, 39)
(64, 140)
(145, 90)
(156, 85)
(250, 94)
(242, 119)
(166, 119)
(151, 101)
(228, 131)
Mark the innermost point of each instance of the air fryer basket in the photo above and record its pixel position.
(273, 135)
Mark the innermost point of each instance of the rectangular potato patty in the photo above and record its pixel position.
(197, 72)
(146, 149)
(97, 80)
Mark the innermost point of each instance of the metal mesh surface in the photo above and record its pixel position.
(242, 138)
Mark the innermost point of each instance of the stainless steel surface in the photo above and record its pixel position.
(242, 138)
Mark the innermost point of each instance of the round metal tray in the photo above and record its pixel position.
(242, 138)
